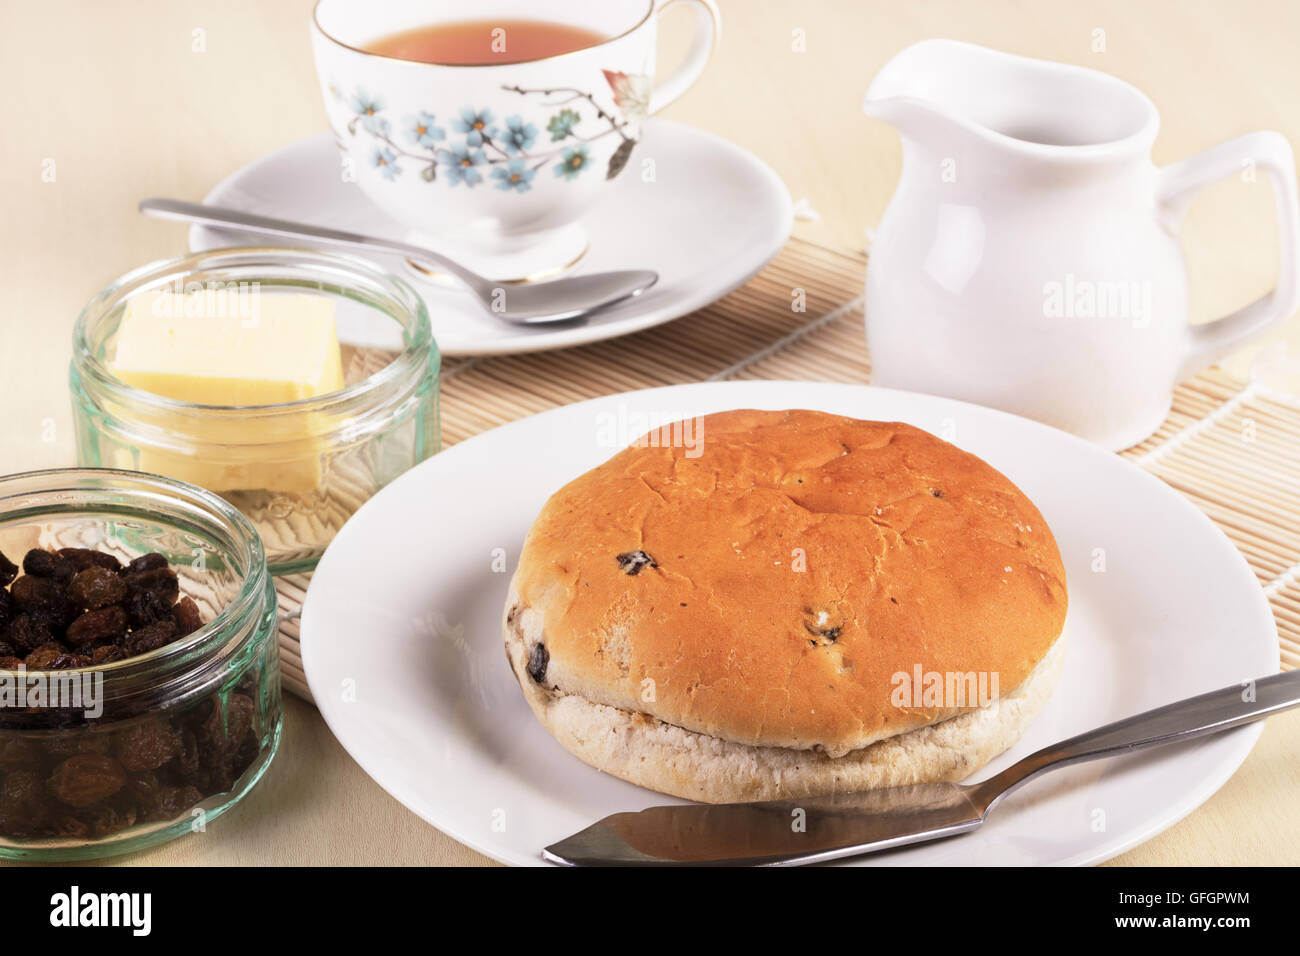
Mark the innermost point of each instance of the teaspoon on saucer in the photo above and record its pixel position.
(558, 300)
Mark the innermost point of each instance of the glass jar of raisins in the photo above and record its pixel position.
(152, 703)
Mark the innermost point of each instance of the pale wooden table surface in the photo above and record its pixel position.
(115, 98)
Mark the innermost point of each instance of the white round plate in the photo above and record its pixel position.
(402, 645)
(711, 216)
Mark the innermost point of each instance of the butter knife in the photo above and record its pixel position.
(813, 830)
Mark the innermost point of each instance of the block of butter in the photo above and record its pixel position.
(215, 348)
(218, 347)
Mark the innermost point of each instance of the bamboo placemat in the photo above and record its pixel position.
(1232, 447)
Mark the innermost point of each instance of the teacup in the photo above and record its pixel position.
(495, 163)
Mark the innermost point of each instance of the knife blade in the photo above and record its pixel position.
(814, 830)
(773, 832)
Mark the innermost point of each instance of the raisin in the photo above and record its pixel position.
(57, 621)
(221, 776)
(15, 823)
(538, 658)
(24, 803)
(8, 611)
(199, 713)
(67, 662)
(23, 790)
(8, 570)
(224, 730)
(18, 753)
(108, 818)
(154, 579)
(95, 588)
(46, 564)
(145, 562)
(631, 562)
(147, 607)
(935, 492)
(148, 638)
(107, 654)
(104, 626)
(173, 801)
(25, 634)
(152, 594)
(187, 764)
(148, 746)
(144, 788)
(85, 779)
(182, 798)
(83, 558)
(45, 598)
(159, 800)
(10, 663)
(187, 617)
(79, 742)
(247, 752)
(68, 828)
(45, 655)
(827, 634)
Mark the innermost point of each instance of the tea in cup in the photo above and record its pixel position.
(488, 138)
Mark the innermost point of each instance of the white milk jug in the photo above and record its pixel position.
(1029, 258)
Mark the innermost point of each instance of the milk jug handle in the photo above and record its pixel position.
(1178, 185)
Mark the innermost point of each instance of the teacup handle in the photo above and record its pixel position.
(1179, 184)
(708, 28)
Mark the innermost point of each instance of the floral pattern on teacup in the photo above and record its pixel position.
(507, 152)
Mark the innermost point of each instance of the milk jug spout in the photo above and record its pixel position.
(938, 90)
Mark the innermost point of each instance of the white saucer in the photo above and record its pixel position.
(713, 216)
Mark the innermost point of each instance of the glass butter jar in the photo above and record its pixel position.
(296, 469)
(117, 756)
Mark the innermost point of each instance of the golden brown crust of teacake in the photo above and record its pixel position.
(802, 561)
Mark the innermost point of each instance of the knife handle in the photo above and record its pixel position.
(1187, 719)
